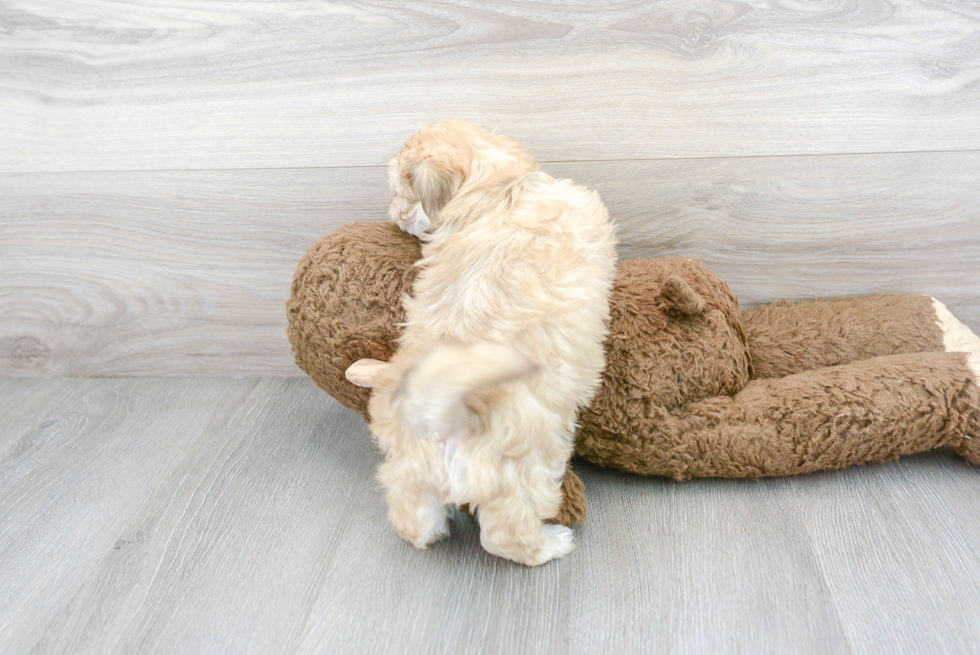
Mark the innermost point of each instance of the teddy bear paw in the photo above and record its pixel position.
(956, 336)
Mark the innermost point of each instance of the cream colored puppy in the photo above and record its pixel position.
(503, 341)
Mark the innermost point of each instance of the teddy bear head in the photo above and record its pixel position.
(675, 332)
(675, 337)
(346, 304)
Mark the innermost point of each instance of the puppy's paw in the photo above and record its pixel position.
(422, 524)
(558, 542)
(530, 549)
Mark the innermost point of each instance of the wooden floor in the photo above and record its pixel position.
(196, 515)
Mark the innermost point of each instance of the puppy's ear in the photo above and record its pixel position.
(434, 184)
(681, 297)
(368, 372)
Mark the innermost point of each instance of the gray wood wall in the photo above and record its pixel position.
(163, 165)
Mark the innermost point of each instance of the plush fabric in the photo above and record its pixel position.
(788, 338)
(693, 387)
(866, 411)
(345, 304)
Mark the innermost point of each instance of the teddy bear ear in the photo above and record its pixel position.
(681, 297)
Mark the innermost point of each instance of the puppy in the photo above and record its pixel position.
(503, 341)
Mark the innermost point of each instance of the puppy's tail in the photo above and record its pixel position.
(436, 394)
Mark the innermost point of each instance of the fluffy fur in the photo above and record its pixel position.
(503, 341)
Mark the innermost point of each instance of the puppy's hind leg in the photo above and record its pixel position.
(511, 526)
(413, 510)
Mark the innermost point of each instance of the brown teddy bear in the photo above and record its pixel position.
(693, 387)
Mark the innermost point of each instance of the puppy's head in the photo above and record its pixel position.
(438, 161)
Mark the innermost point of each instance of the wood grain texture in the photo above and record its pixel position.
(25, 404)
(808, 227)
(169, 273)
(220, 558)
(177, 84)
(73, 480)
(162, 273)
(720, 566)
(219, 515)
(908, 580)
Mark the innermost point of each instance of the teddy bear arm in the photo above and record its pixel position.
(786, 338)
(829, 418)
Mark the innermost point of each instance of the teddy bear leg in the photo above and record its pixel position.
(959, 338)
(867, 411)
(786, 338)
(969, 445)
(956, 336)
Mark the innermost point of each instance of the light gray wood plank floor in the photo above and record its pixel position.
(191, 515)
